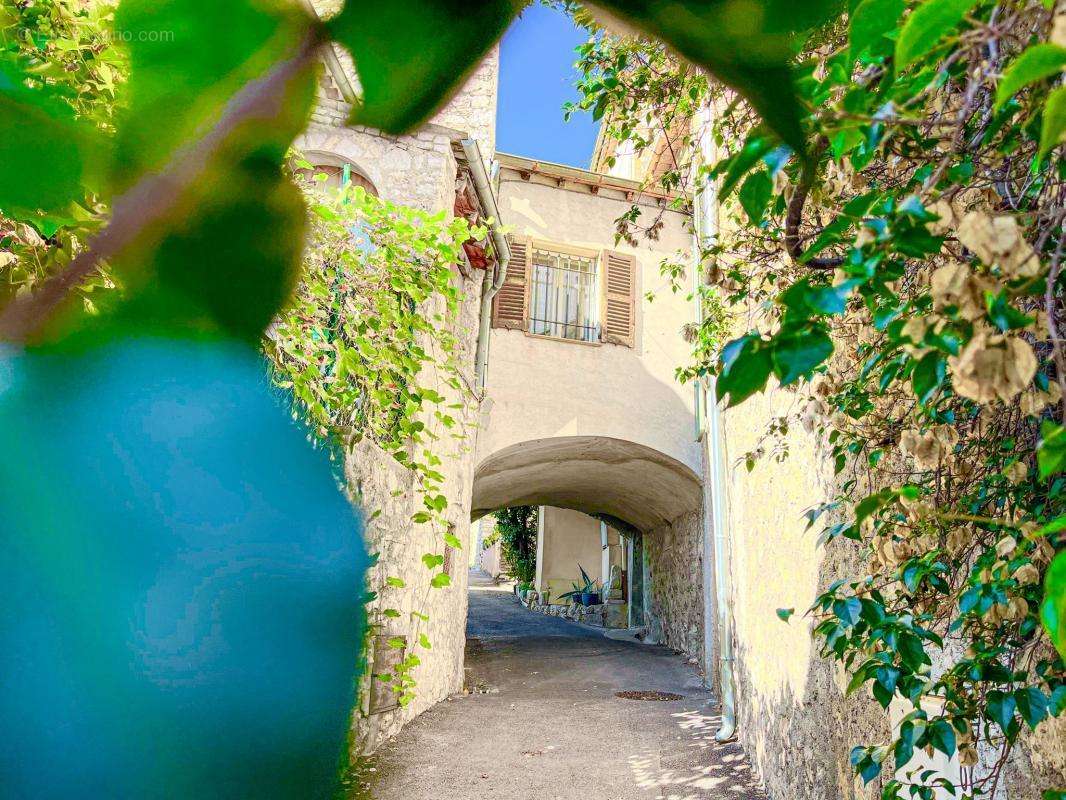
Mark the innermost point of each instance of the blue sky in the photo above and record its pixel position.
(536, 77)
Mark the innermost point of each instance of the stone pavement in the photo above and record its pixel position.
(542, 721)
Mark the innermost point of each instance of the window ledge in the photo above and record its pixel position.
(562, 339)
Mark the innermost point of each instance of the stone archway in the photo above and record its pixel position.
(601, 476)
(637, 490)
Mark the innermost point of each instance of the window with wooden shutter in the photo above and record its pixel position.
(620, 298)
(510, 303)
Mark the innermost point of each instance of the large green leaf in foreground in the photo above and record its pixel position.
(410, 55)
(44, 152)
(187, 60)
(1053, 609)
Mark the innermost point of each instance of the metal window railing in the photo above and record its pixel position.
(564, 297)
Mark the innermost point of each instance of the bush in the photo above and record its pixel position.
(517, 529)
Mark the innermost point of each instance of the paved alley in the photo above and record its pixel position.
(543, 722)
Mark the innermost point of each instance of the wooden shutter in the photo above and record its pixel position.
(510, 303)
(620, 298)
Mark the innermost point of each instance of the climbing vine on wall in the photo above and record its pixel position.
(903, 274)
(368, 349)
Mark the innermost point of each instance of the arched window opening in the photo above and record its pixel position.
(338, 172)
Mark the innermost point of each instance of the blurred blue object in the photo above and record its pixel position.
(182, 580)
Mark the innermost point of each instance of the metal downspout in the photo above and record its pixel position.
(716, 541)
(491, 284)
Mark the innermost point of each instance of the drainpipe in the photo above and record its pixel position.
(716, 542)
(491, 284)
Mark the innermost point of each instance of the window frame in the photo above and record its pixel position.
(596, 256)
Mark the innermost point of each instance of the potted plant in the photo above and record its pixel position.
(586, 593)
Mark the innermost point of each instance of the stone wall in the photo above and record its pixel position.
(473, 108)
(674, 591)
(417, 170)
(794, 721)
(389, 497)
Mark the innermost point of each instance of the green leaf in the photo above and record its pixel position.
(440, 580)
(432, 560)
(745, 367)
(796, 353)
(411, 55)
(44, 152)
(757, 144)
(1056, 525)
(1000, 707)
(453, 541)
(1032, 705)
(926, 26)
(229, 252)
(871, 20)
(1053, 608)
(1002, 314)
(784, 614)
(904, 749)
(912, 651)
(941, 736)
(1035, 63)
(1051, 452)
(848, 610)
(928, 375)
(748, 46)
(233, 258)
(187, 59)
(1057, 702)
(755, 194)
(1054, 125)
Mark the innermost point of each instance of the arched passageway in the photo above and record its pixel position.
(601, 476)
(650, 565)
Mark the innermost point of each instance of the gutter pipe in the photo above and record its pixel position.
(716, 541)
(492, 282)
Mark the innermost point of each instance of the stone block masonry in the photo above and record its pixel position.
(417, 170)
(674, 554)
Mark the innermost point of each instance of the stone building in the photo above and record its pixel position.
(582, 411)
(569, 399)
(435, 169)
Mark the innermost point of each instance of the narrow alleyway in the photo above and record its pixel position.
(543, 722)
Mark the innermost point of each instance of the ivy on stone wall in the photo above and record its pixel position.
(368, 349)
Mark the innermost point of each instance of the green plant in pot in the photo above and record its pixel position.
(586, 593)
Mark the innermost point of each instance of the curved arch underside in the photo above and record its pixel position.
(604, 477)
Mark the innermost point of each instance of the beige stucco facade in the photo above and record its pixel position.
(601, 428)
(567, 542)
(539, 387)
